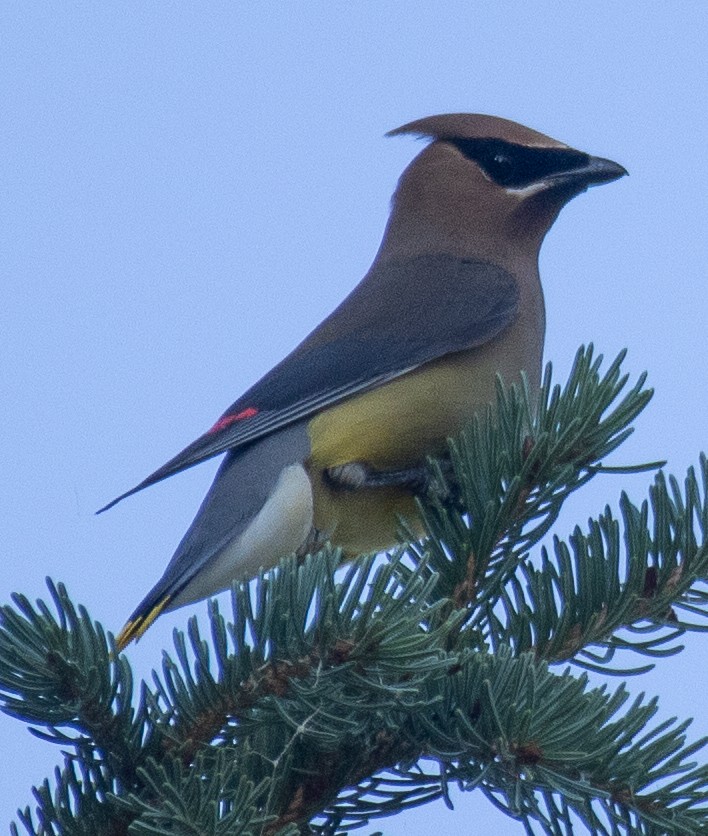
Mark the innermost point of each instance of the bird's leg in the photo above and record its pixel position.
(415, 479)
(314, 541)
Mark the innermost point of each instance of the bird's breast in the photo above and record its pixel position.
(401, 422)
(398, 425)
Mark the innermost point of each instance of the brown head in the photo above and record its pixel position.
(485, 187)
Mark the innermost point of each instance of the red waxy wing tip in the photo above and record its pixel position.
(228, 420)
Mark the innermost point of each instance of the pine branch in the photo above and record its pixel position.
(502, 723)
(593, 596)
(514, 470)
(335, 697)
(590, 589)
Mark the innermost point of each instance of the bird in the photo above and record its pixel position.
(329, 445)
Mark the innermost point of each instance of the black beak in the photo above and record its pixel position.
(592, 172)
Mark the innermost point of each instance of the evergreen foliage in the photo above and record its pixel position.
(332, 697)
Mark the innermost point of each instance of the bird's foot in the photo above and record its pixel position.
(354, 476)
(417, 479)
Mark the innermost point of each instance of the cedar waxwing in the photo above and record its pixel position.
(327, 445)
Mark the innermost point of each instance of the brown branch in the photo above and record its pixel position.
(271, 679)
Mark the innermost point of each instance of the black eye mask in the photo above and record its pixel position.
(516, 166)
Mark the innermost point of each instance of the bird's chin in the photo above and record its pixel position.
(547, 203)
(563, 190)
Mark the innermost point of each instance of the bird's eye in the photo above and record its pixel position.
(502, 168)
(499, 160)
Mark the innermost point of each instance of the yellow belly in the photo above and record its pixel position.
(398, 425)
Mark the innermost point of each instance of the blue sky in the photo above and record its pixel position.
(187, 189)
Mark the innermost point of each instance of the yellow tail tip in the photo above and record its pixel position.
(136, 627)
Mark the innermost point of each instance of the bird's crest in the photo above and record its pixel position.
(476, 126)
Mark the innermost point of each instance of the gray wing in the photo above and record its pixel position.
(401, 315)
